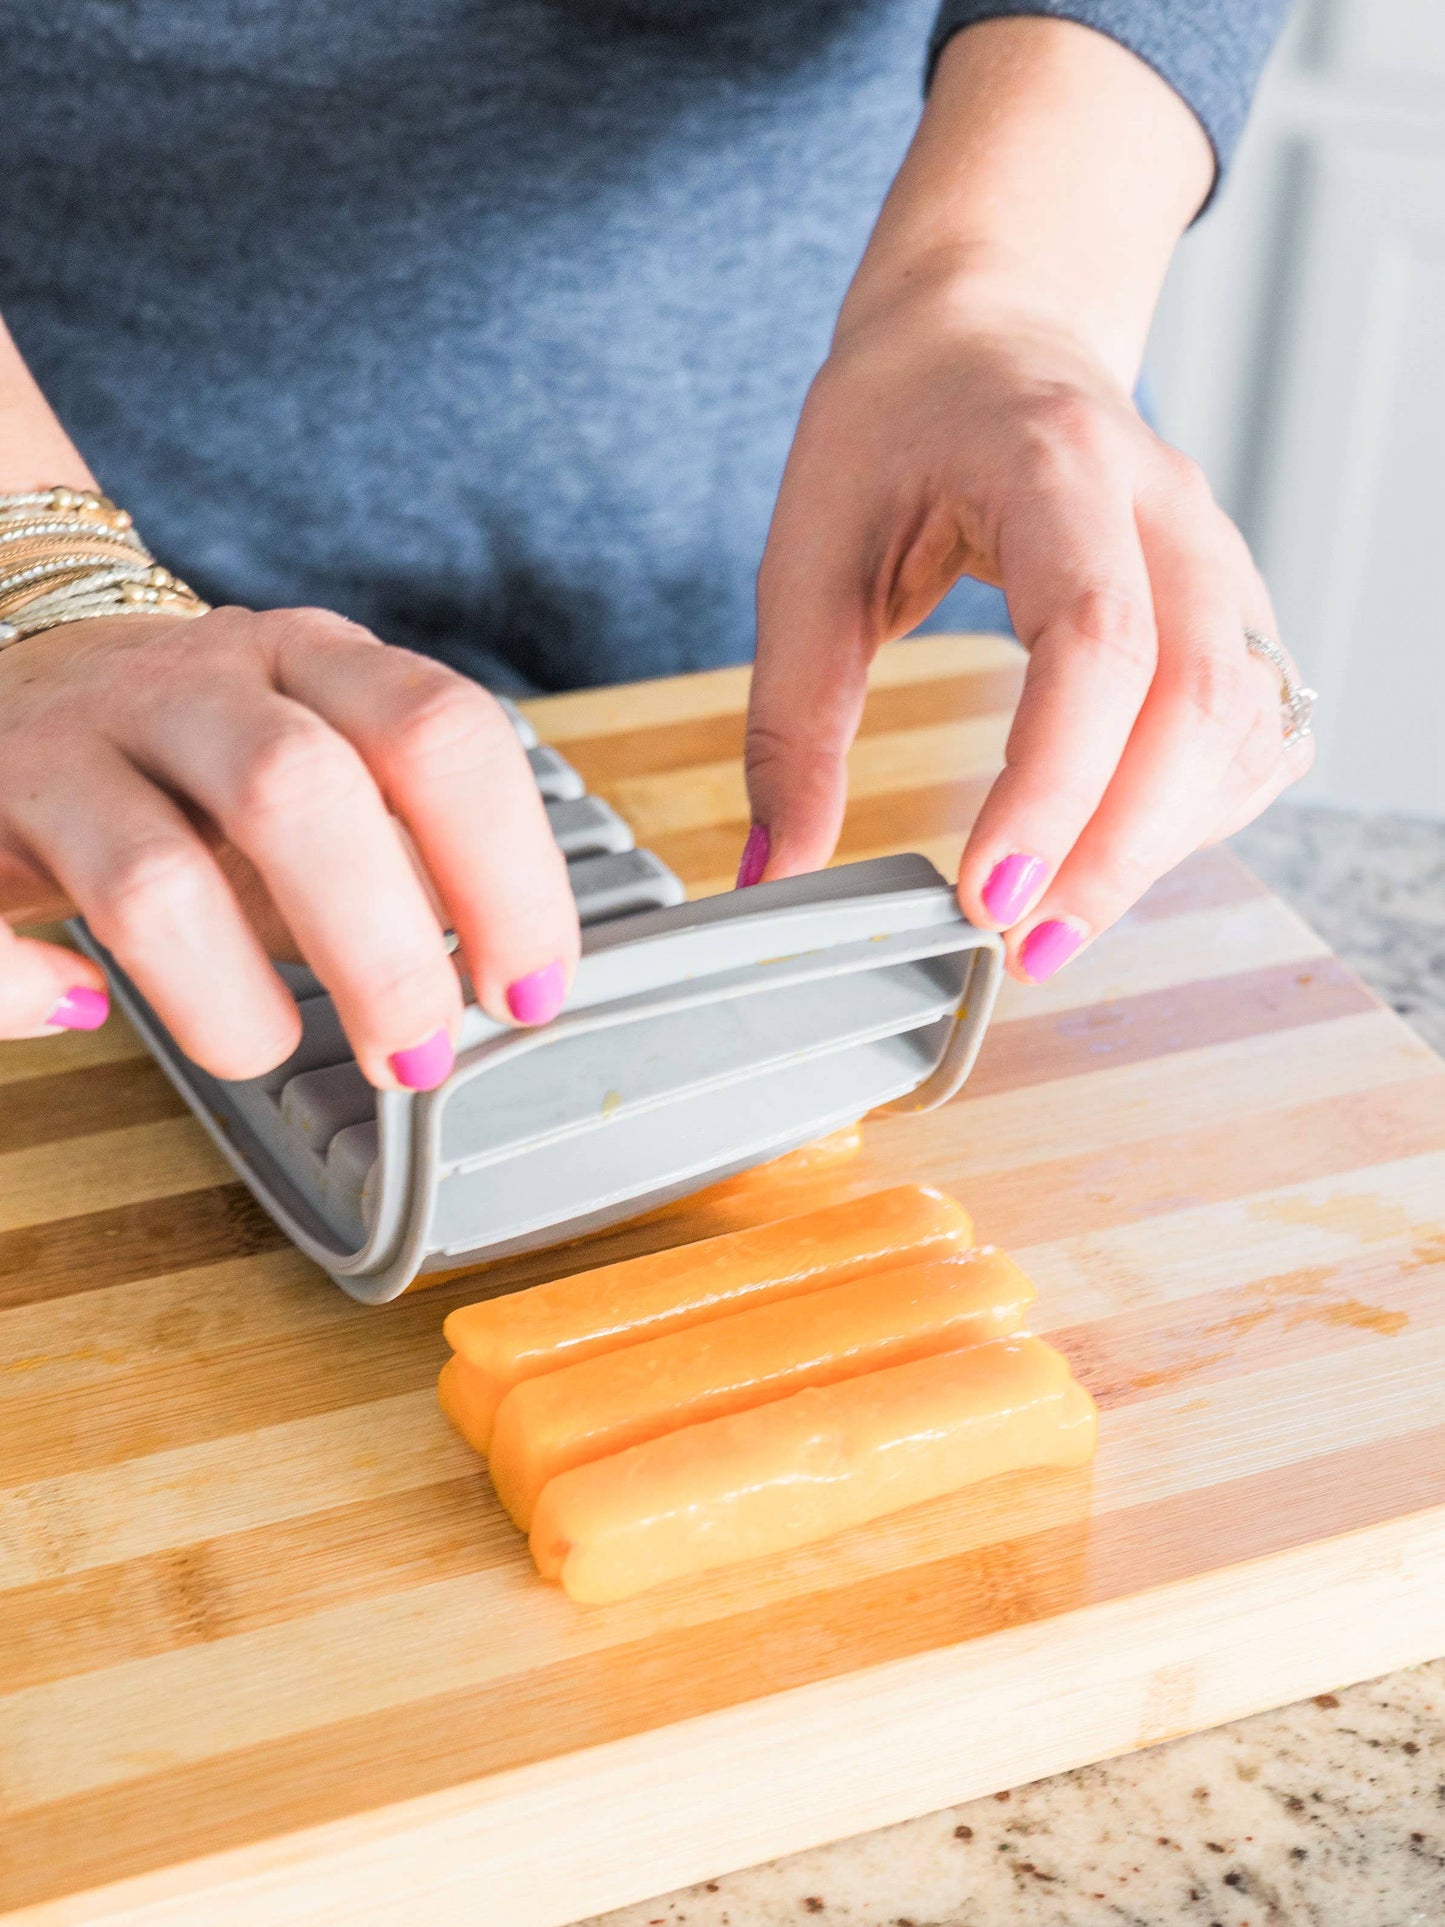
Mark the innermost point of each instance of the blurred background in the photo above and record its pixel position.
(1299, 355)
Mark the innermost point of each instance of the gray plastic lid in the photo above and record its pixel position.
(697, 1040)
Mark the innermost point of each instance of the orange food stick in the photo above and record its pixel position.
(504, 1340)
(781, 1475)
(545, 1426)
(468, 1400)
(746, 1188)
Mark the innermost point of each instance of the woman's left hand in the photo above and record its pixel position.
(938, 441)
(974, 417)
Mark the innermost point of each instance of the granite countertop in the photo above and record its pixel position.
(1327, 1814)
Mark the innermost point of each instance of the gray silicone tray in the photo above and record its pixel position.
(698, 1039)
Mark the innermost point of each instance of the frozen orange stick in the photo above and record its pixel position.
(764, 1481)
(503, 1340)
(746, 1188)
(602, 1405)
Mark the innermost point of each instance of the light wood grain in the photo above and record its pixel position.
(270, 1651)
(107, 1167)
(72, 1050)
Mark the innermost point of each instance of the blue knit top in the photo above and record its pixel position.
(484, 321)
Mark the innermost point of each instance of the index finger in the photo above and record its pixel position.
(809, 680)
(450, 764)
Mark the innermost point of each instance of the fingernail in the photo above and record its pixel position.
(424, 1065)
(1048, 947)
(80, 1009)
(537, 998)
(1011, 887)
(756, 852)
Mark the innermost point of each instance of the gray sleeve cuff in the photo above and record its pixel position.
(1210, 51)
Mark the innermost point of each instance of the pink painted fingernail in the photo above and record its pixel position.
(536, 999)
(1048, 947)
(80, 1009)
(756, 852)
(1011, 887)
(424, 1065)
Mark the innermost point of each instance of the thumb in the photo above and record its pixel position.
(809, 683)
(45, 988)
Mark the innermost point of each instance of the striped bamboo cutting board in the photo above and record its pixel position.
(270, 1653)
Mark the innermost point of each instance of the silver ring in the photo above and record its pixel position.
(1296, 703)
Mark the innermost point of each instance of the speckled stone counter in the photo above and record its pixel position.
(1374, 888)
(1328, 1814)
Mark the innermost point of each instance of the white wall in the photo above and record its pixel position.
(1300, 356)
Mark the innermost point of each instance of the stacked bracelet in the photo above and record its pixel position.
(70, 555)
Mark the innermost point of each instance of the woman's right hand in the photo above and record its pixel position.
(184, 785)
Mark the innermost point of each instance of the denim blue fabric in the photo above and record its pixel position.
(484, 321)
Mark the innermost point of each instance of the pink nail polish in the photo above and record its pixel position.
(1012, 886)
(424, 1065)
(756, 851)
(80, 1009)
(536, 999)
(1048, 947)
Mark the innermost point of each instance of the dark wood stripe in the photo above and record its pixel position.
(661, 748)
(71, 1104)
(190, 1400)
(901, 818)
(89, 1252)
(99, 1248)
(1157, 1023)
(644, 1683)
(1151, 1177)
(50, 929)
(359, 1355)
(944, 699)
(217, 1588)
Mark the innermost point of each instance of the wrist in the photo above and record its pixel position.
(973, 306)
(70, 555)
(72, 643)
(1051, 177)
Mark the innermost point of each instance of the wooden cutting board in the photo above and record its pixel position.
(270, 1653)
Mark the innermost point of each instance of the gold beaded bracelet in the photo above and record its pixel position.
(70, 555)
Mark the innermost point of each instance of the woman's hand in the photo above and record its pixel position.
(940, 440)
(974, 417)
(197, 790)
